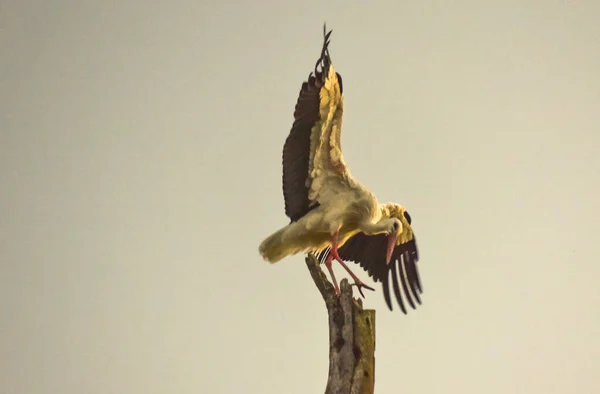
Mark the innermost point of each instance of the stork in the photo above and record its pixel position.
(331, 214)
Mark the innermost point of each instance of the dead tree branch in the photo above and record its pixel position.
(351, 337)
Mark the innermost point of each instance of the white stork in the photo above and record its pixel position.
(331, 214)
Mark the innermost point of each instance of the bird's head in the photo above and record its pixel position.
(400, 230)
(394, 227)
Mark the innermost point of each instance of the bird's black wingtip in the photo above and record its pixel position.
(324, 60)
(326, 34)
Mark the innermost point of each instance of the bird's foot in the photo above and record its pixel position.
(359, 285)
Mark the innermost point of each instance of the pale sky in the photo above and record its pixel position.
(140, 156)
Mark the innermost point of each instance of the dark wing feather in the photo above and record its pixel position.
(369, 253)
(296, 150)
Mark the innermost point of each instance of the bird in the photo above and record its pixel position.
(332, 215)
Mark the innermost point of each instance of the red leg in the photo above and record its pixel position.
(333, 254)
(328, 262)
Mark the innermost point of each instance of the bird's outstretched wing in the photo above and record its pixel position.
(369, 252)
(312, 151)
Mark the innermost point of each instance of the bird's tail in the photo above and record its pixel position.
(272, 248)
(284, 242)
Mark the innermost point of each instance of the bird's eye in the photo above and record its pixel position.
(395, 226)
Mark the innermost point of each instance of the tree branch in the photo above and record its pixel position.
(351, 337)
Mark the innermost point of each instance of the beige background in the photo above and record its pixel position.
(140, 168)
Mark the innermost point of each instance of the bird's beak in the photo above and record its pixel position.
(390, 247)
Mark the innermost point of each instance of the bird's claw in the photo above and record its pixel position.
(360, 285)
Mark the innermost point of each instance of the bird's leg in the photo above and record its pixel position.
(333, 253)
(328, 262)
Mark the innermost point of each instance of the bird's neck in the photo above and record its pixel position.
(375, 228)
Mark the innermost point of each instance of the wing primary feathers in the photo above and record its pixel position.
(404, 282)
(413, 276)
(396, 287)
(413, 256)
(325, 59)
(386, 294)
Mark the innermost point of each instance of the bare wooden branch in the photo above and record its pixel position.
(351, 337)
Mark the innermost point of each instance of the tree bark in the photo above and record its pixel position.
(351, 337)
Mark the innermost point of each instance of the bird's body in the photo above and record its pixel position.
(327, 207)
(346, 213)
